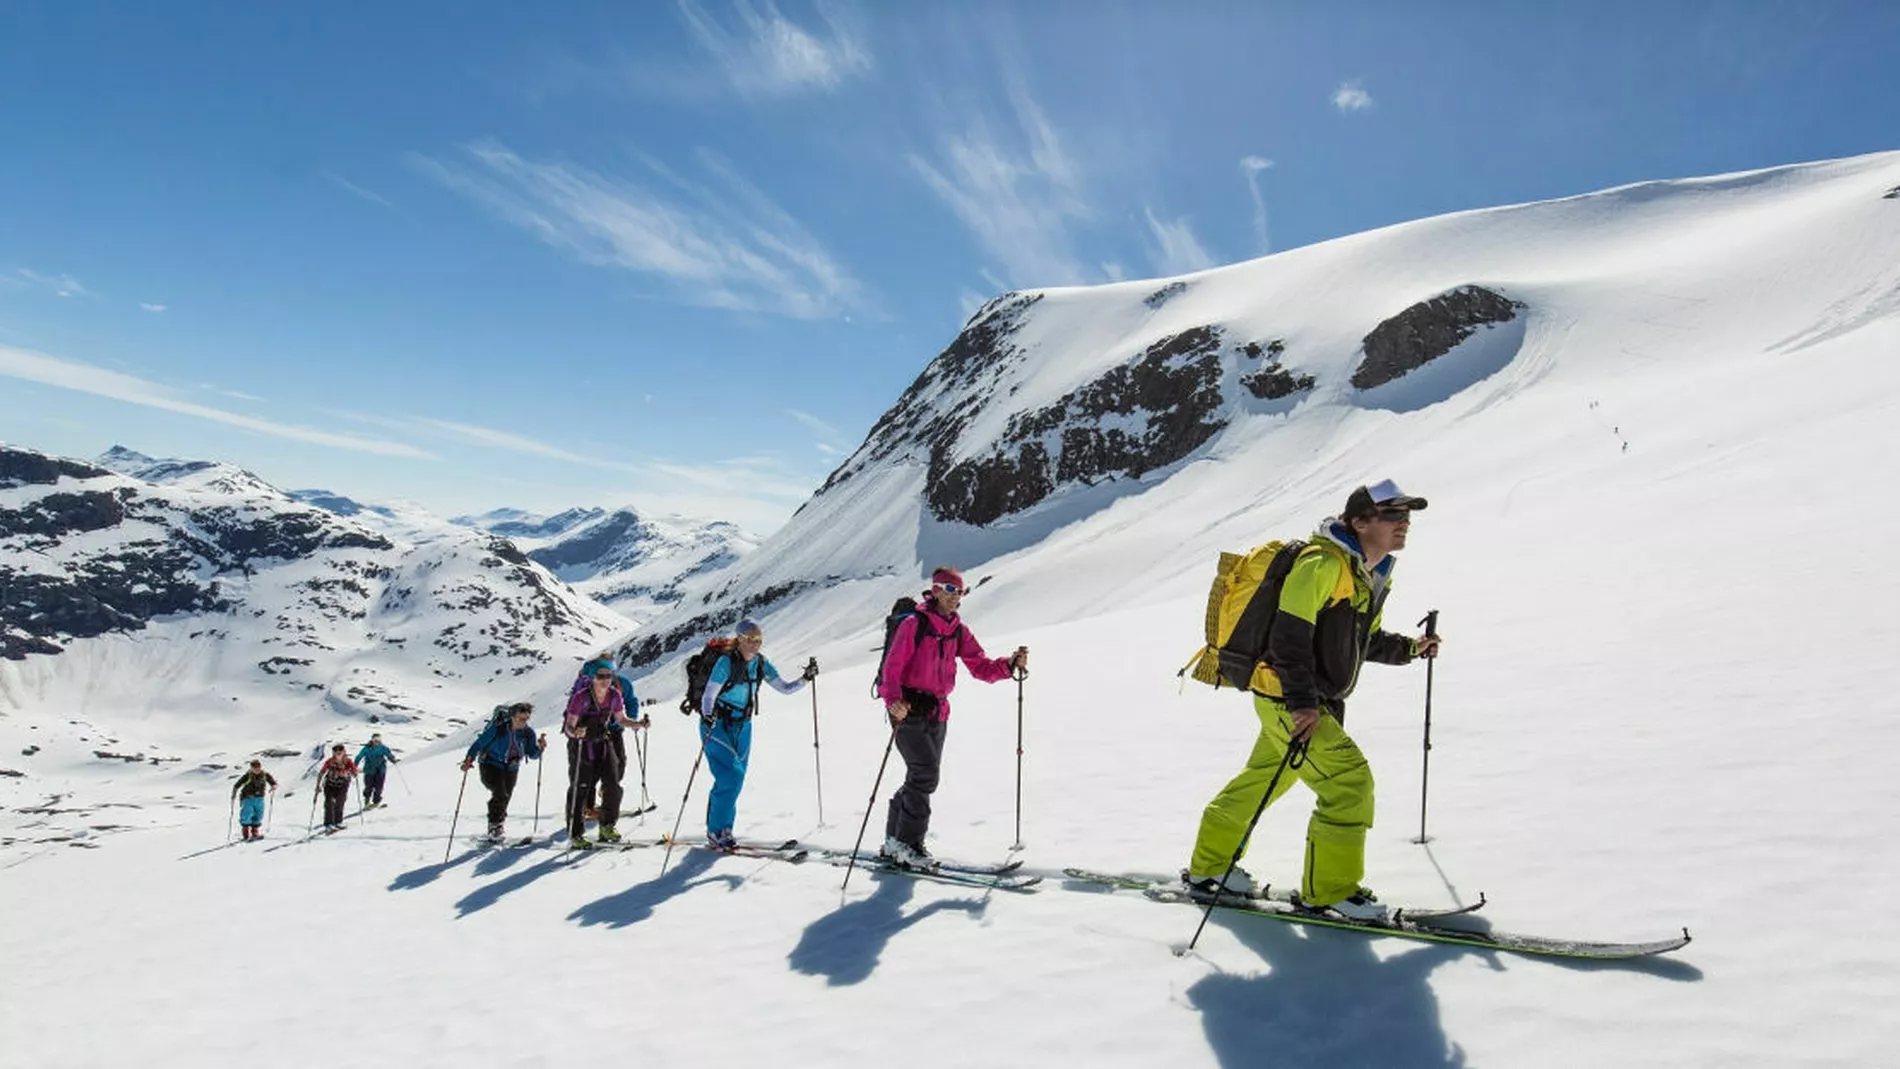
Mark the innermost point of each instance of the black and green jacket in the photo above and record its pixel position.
(1328, 625)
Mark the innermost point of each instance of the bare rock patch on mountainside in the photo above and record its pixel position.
(1272, 381)
(1135, 418)
(1892, 194)
(1428, 330)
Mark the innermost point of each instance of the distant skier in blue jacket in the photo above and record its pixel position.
(501, 748)
(374, 759)
(726, 709)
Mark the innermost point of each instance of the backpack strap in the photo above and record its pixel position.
(738, 673)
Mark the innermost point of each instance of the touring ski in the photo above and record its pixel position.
(871, 857)
(1145, 883)
(989, 881)
(1407, 928)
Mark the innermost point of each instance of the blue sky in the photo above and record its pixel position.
(682, 255)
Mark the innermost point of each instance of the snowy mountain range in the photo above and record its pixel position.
(1655, 424)
(638, 565)
(196, 594)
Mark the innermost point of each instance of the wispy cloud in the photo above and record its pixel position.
(239, 394)
(348, 186)
(1175, 250)
(762, 53)
(1350, 97)
(150, 307)
(813, 423)
(728, 248)
(100, 382)
(60, 285)
(1018, 192)
(516, 443)
(1250, 168)
(829, 440)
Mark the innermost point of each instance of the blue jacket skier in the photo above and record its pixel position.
(501, 746)
(726, 709)
(374, 759)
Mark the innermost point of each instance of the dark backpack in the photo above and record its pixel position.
(901, 610)
(699, 670)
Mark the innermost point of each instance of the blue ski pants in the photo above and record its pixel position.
(728, 746)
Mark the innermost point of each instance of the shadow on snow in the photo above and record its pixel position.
(636, 903)
(1329, 999)
(844, 945)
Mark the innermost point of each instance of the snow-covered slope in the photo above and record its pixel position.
(637, 564)
(1658, 489)
(183, 612)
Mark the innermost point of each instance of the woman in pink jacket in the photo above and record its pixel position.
(919, 673)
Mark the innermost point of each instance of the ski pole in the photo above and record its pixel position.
(1425, 774)
(812, 667)
(228, 818)
(879, 782)
(270, 806)
(640, 751)
(1286, 761)
(315, 789)
(535, 828)
(407, 793)
(1020, 673)
(457, 817)
(362, 801)
(674, 837)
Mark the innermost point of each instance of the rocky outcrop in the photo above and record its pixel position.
(23, 467)
(1428, 330)
(1271, 381)
(1165, 294)
(920, 421)
(1892, 194)
(1135, 418)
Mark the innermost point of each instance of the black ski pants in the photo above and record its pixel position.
(598, 769)
(573, 776)
(500, 781)
(373, 785)
(920, 742)
(335, 794)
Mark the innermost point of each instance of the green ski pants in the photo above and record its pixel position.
(1336, 834)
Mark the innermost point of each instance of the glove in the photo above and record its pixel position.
(811, 671)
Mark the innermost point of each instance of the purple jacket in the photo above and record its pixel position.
(580, 705)
(929, 663)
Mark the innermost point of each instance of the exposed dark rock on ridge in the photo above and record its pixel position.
(1427, 331)
(1271, 381)
(1173, 393)
(22, 467)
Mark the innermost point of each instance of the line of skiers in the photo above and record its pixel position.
(1321, 622)
(335, 776)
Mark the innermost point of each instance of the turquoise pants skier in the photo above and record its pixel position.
(1335, 835)
(728, 746)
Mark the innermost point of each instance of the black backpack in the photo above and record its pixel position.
(901, 610)
(699, 670)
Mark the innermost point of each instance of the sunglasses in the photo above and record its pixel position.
(604, 675)
(953, 588)
(1394, 515)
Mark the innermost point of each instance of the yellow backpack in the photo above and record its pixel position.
(1240, 609)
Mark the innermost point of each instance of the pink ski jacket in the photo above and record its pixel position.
(929, 663)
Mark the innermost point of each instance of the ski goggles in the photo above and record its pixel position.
(952, 588)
